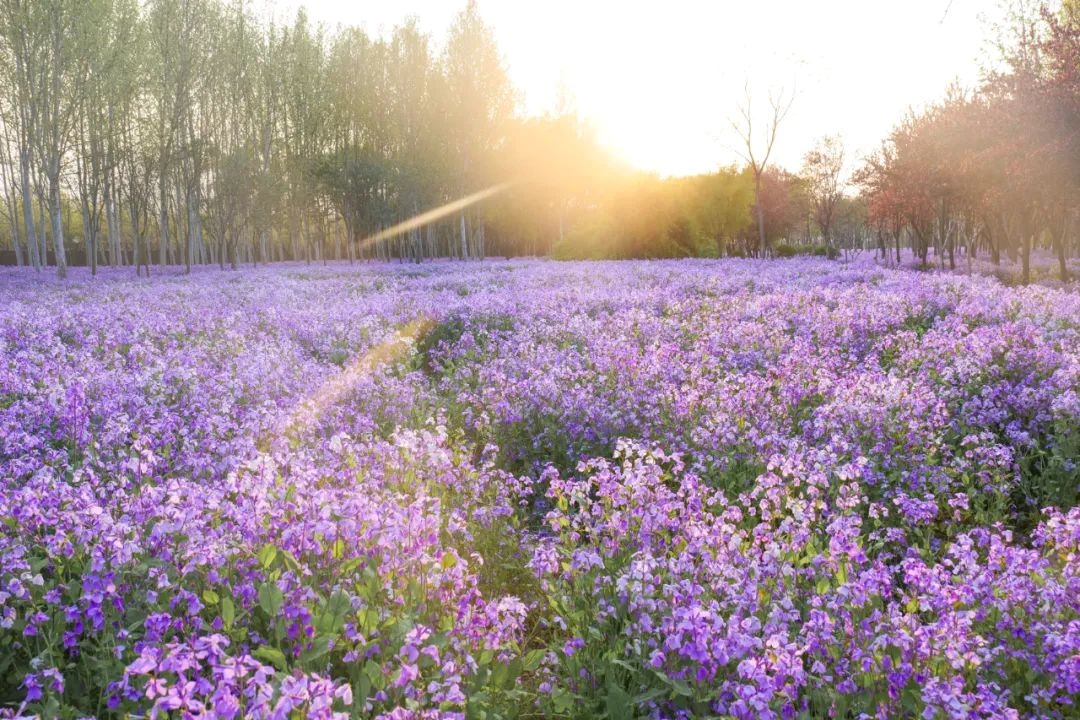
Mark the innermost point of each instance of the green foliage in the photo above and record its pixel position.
(641, 215)
(786, 250)
(1050, 474)
(434, 350)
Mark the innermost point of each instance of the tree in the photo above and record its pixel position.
(25, 41)
(480, 101)
(822, 167)
(557, 163)
(757, 151)
(73, 55)
(108, 57)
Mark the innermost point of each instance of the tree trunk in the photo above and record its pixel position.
(89, 236)
(16, 241)
(136, 243)
(1025, 258)
(1059, 247)
(12, 210)
(305, 237)
(190, 254)
(337, 238)
(43, 248)
(762, 245)
(112, 222)
(28, 209)
(57, 218)
(464, 238)
(192, 229)
(163, 219)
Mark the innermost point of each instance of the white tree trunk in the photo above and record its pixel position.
(28, 208)
(163, 220)
(192, 220)
(13, 220)
(57, 217)
(112, 222)
(43, 250)
(464, 238)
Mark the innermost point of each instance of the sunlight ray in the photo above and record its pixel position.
(438, 213)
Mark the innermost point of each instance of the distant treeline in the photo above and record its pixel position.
(996, 170)
(196, 131)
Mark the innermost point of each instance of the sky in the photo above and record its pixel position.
(660, 81)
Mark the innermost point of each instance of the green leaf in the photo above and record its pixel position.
(270, 598)
(449, 560)
(52, 707)
(679, 686)
(619, 705)
(228, 612)
(290, 561)
(350, 566)
(498, 675)
(562, 700)
(210, 597)
(369, 620)
(361, 690)
(648, 695)
(332, 619)
(513, 671)
(267, 555)
(319, 647)
(533, 659)
(337, 550)
(271, 655)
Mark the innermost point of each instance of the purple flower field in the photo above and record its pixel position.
(737, 488)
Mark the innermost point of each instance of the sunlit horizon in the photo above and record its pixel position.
(660, 85)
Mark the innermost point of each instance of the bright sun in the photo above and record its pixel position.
(660, 82)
